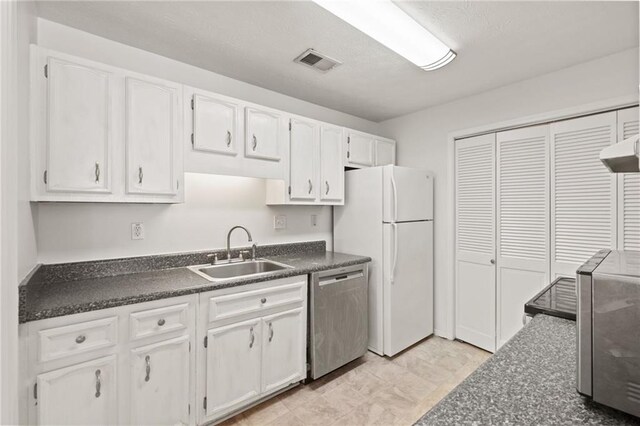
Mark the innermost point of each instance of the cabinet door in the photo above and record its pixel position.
(331, 164)
(628, 188)
(82, 394)
(151, 120)
(385, 152)
(523, 223)
(233, 366)
(302, 160)
(160, 383)
(475, 241)
(80, 132)
(583, 191)
(262, 135)
(359, 149)
(283, 349)
(214, 125)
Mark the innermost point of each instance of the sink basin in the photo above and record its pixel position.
(225, 271)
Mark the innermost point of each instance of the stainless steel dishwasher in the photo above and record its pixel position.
(339, 318)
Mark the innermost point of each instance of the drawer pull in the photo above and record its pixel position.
(161, 322)
(98, 383)
(80, 339)
(147, 361)
(263, 300)
(252, 337)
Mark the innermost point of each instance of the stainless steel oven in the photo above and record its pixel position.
(608, 329)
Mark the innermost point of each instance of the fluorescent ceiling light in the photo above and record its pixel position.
(388, 24)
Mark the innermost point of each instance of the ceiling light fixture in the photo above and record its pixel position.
(388, 24)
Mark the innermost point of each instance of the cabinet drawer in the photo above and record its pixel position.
(158, 321)
(233, 305)
(78, 338)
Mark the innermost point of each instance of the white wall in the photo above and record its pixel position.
(213, 204)
(422, 136)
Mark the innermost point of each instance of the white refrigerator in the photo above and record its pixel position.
(388, 216)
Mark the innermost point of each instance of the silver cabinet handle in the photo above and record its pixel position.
(140, 175)
(310, 186)
(147, 360)
(98, 383)
(263, 300)
(161, 322)
(252, 337)
(80, 339)
(255, 142)
(326, 182)
(270, 331)
(97, 172)
(228, 138)
(492, 261)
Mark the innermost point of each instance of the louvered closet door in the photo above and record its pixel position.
(583, 192)
(523, 223)
(628, 188)
(475, 241)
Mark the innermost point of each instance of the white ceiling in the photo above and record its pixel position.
(497, 43)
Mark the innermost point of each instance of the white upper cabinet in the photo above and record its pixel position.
(262, 134)
(331, 164)
(628, 188)
(103, 134)
(79, 135)
(359, 149)
(152, 136)
(80, 394)
(302, 160)
(215, 125)
(385, 152)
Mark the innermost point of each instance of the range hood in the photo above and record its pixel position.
(623, 157)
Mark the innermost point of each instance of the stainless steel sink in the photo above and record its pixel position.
(225, 271)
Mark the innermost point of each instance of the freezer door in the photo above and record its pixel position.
(408, 194)
(408, 284)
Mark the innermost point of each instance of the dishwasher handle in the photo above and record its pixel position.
(338, 278)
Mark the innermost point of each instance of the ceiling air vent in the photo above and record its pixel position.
(317, 60)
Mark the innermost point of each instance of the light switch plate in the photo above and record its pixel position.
(137, 231)
(314, 220)
(280, 222)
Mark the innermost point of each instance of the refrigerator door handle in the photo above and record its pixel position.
(395, 198)
(394, 226)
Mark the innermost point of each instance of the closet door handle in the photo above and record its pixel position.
(98, 383)
(147, 361)
(255, 142)
(326, 182)
(310, 186)
(228, 138)
(140, 175)
(97, 171)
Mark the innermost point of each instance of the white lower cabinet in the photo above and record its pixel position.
(254, 350)
(80, 394)
(160, 383)
(233, 366)
(283, 362)
(138, 364)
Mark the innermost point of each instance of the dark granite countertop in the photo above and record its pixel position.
(65, 289)
(531, 380)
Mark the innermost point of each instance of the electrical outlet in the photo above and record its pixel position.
(314, 220)
(137, 231)
(280, 222)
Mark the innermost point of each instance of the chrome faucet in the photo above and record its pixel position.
(229, 240)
